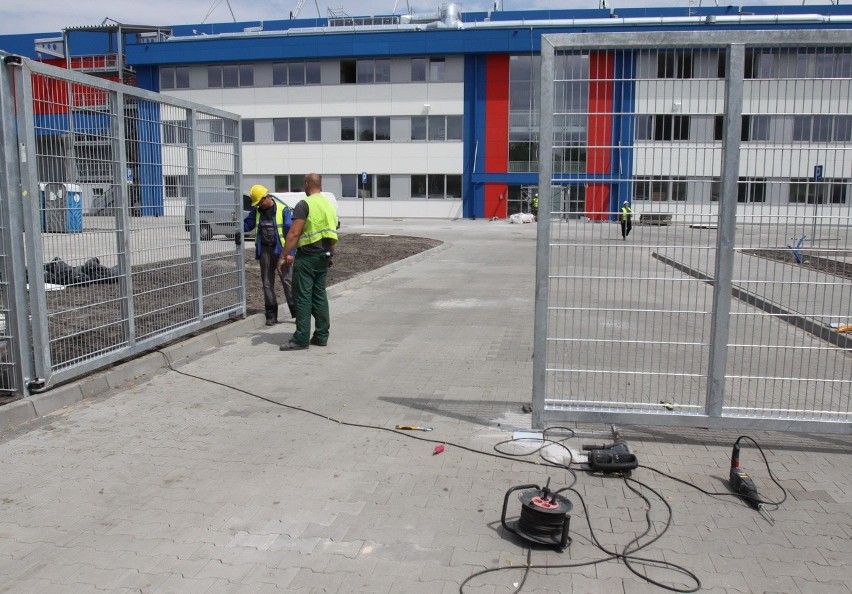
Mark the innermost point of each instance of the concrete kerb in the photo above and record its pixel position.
(38, 405)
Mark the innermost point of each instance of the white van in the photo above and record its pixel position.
(216, 215)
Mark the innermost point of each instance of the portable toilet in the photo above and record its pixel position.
(61, 207)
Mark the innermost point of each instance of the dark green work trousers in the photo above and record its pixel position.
(309, 275)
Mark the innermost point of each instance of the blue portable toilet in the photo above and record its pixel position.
(74, 201)
(61, 207)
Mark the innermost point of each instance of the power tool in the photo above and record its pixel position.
(742, 484)
(615, 457)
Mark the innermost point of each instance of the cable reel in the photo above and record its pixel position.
(545, 516)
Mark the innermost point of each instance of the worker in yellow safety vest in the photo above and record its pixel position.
(314, 236)
(626, 219)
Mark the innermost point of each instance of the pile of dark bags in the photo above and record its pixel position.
(58, 272)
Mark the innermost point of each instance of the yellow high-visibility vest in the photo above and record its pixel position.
(321, 222)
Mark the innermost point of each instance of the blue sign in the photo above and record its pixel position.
(817, 172)
(363, 177)
(129, 175)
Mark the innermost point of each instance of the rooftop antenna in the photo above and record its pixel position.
(215, 5)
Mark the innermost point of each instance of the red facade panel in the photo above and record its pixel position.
(599, 155)
(496, 201)
(496, 147)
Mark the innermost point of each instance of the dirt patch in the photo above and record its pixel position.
(355, 254)
(811, 259)
(86, 320)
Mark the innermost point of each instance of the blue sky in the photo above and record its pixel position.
(36, 16)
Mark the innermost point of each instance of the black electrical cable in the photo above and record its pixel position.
(728, 493)
(351, 424)
(628, 556)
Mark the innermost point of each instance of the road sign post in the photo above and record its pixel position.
(363, 184)
(818, 170)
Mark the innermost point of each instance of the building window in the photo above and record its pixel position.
(174, 78)
(366, 131)
(372, 71)
(282, 183)
(822, 128)
(671, 127)
(455, 125)
(436, 186)
(431, 69)
(419, 126)
(246, 72)
(837, 191)
(348, 72)
(676, 64)
(641, 188)
(349, 183)
(383, 186)
(296, 129)
(662, 127)
(247, 130)
(296, 74)
(281, 130)
(176, 186)
(347, 129)
(719, 128)
(715, 189)
(175, 132)
(314, 129)
(454, 186)
(660, 189)
(214, 77)
(751, 189)
(230, 76)
(211, 131)
(382, 128)
(830, 191)
(755, 128)
(437, 69)
(418, 186)
(418, 69)
(362, 128)
(436, 128)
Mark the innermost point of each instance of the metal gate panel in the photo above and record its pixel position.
(116, 262)
(698, 317)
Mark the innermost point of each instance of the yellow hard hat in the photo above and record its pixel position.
(257, 194)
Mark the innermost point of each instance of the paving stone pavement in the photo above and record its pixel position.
(209, 477)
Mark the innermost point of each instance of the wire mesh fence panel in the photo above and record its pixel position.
(115, 231)
(692, 264)
(793, 260)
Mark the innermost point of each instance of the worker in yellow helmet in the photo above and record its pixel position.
(272, 219)
(626, 219)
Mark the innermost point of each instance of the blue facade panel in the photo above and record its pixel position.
(624, 125)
